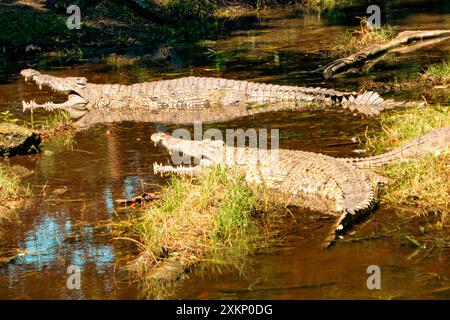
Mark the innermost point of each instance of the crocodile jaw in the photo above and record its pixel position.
(213, 150)
(75, 105)
(74, 87)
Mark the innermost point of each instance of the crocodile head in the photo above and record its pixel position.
(74, 87)
(211, 150)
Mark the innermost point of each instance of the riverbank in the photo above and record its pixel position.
(217, 220)
(34, 28)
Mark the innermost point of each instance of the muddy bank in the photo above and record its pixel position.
(15, 140)
(39, 27)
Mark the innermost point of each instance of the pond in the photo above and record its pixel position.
(106, 162)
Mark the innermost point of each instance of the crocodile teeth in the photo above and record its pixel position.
(28, 105)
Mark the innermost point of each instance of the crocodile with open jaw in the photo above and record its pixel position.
(190, 99)
(301, 175)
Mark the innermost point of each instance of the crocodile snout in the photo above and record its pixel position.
(158, 137)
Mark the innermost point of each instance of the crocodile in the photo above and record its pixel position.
(189, 99)
(347, 182)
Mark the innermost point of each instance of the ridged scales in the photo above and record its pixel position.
(298, 173)
(306, 172)
(199, 92)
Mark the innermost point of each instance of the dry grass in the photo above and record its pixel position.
(422, 184)
(361, 38)
(9, 185)
(234, 10)
(119, 61)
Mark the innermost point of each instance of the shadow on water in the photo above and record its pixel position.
(77, 180)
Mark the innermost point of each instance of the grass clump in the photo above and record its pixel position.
(9, 185)
(422, 185)
(215, 218)
(439, 73)
(57, 123)
(353, 41)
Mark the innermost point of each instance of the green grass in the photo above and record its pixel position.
(21, 28)
(420, 185)
(439, 73)
(216, 218)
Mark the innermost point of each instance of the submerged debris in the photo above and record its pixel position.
(145, 197)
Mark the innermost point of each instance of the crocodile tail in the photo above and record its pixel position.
(434, 142)
(369, 103)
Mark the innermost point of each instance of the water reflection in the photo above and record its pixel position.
(109, 162)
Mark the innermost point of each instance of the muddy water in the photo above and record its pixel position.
(76, 180)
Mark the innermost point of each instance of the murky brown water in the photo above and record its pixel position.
(97, 167)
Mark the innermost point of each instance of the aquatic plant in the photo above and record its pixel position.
(8, 117)
(11, 188)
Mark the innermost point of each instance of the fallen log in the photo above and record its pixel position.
(360, 59)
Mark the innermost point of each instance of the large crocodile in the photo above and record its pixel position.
(190, 99)
(302, 175)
